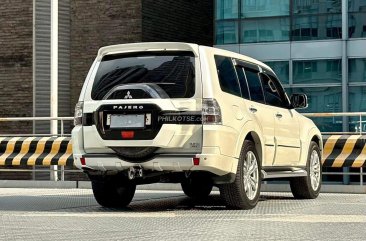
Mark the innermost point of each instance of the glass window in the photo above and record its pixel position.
(227, 9)
(357, 25)
(357, 99)
(227, 75)
(281, 68)
(323, 100)
(265, 30)
(357, 70)
(243, 82)
(171, 71)
(317, 71)
(317, 27)
(272, 94)
(264, 8)
(317, 6)
(254, 83)
(357, 5)
(227, 32)
(357, 103)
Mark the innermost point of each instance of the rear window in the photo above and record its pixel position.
(173, 72)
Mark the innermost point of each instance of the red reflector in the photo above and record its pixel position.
(82, 160)
(127, 134)
(196, 161)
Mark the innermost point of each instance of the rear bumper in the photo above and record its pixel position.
(217, 164)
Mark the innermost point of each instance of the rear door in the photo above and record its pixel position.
(259, 112)
(287, 132)
(145, 99)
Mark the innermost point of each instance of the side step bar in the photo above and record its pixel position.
(282, 174)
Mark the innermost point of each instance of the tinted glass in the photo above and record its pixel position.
(254, 84)
(311, 27)
(227, 75)
(173, 72)
(357, 25)
(317, 71)
(357, 5)
(265, 30)
(272, 94)
(323, 99)
(317, 6)
(357, 103)
(281, 68)
(243, 82)
(357, 70)
(264, 8)
(227, 32)
(227, 9)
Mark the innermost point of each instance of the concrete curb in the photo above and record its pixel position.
(326, 188)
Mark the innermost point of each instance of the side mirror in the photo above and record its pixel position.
(299, 101)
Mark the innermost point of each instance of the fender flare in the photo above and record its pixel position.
(250, 126)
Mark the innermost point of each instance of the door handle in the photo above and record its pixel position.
(278, 115)
(252, 109)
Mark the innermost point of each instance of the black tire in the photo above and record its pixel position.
(198, 188)
(234, 194)
(301, 187)
(113, 194)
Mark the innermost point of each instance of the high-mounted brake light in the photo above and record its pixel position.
(211, 112)
(78, 116)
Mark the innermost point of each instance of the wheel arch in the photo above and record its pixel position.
(251, 132)
(313, 135)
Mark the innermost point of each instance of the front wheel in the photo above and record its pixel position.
(244, 192)
(309, 187)
(112, 192)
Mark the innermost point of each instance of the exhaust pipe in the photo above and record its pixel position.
(135, 172)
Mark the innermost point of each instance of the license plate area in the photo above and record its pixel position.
(127, 121)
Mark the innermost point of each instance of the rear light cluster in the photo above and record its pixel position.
(211, 113)
(78, 116)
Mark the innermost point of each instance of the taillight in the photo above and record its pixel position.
(211, 113)
(78, 116)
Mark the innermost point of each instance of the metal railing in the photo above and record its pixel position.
(61, 119)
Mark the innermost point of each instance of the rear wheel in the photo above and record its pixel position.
(197, 187)
(244, 192)
(309, 187)
(112, 192)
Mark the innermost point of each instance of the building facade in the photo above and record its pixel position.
(84, 27)
(317, 47)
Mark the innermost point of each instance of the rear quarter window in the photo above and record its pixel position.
(174, 72)
(227, 75)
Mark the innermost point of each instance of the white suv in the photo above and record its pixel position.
(195, 115)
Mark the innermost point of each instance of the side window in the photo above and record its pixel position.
(254, 84)
(273, 91)
(227, 76)
(281, 91)
(243, 82)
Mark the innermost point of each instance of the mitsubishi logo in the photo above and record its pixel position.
(128, 96)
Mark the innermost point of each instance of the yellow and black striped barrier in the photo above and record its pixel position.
(344, 151)
(34, 151)
(339, 151)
